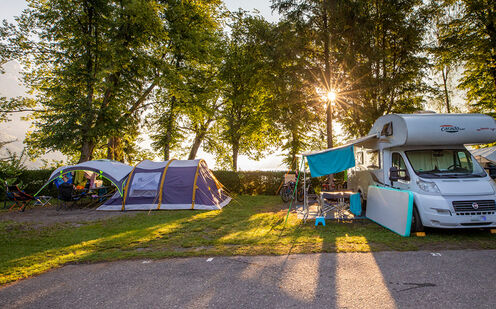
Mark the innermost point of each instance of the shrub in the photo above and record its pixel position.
(32, 181)
(251, 182)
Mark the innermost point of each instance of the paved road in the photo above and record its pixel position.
(447, 279)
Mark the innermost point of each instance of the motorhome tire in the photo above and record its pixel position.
(417, 225)
(363, 202)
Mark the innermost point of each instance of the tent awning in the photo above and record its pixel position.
(116, 172)
(335, 160)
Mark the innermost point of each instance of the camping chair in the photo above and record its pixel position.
(66, 195)
(20, 198)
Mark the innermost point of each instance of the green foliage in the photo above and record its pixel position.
(368, 51)
(250, 182)
(296, 112)
(186, 101)
(90, 65)
(244, 126)
(8, 53)
(11, 168)
(471, 39)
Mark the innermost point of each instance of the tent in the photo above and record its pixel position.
(173, 184)
(116, 172)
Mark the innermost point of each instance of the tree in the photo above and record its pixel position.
(444, 63)
(180, 101)
(382, 44)
(318, 20)
(90, 66)
(244, 125)
(471, 38)
(8, 53)
(295, 110)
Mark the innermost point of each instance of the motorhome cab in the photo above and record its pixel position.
(425, 154)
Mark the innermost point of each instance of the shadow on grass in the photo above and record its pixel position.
(246, 227)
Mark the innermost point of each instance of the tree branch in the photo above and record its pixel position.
(21, 110)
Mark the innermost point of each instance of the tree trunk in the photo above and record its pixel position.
(328, 78)
(329, 124)
(86, 151)
(196, 145)
(114, 149)
(328, 81)
(166, 152)
(235, 151)
(446, 93)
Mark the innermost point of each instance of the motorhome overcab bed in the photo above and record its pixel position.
(425, 154)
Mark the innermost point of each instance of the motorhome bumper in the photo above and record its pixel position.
(437, 211)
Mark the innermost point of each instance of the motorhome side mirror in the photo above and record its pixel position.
(394, 174)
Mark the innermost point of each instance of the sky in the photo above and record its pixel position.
(10, 86)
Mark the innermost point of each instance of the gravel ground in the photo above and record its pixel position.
(45, 216)
(445, 279)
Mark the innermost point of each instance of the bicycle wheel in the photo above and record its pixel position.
(300, 196)
(285, 194)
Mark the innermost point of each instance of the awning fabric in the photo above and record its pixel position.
(114, 171)
(331, 161)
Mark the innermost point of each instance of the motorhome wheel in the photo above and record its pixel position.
(417, 225)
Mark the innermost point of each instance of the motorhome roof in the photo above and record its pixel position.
(433, 129)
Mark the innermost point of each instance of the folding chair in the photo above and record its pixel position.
(20, 198)
(66, 195)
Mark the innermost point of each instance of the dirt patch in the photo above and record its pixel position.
(40, 217)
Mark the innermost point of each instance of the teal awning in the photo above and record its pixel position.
(331, 161)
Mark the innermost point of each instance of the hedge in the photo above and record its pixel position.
(243, 182)
(252, 183)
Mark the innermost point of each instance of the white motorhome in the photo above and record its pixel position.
(425, 154)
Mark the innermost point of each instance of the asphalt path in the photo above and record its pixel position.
(445, 279)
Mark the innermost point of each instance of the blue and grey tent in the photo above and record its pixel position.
(116, 172)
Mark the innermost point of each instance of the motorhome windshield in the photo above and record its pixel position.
(444, 163)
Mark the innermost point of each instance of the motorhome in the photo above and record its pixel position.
(426, 154)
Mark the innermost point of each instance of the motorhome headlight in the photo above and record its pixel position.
(427, 186)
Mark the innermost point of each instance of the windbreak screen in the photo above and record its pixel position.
(145, 184)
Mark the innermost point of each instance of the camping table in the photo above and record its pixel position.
(339, 201)
(102, 194)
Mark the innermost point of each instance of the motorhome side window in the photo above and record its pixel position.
(373, 160)
(399, 163)
(359, 157)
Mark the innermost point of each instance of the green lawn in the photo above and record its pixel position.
(250, 225)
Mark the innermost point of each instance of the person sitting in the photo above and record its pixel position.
(66, 193)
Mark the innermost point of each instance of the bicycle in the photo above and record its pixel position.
(287, 191)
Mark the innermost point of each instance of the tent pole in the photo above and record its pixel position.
(126, 188)
(194, 184)
(160, 195)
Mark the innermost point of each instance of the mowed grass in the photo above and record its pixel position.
(250, 225)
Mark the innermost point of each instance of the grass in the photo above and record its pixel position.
(251, 225)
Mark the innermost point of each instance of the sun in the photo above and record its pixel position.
(331, 96)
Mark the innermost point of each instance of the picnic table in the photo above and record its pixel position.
(101, 194)
(337, 201)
